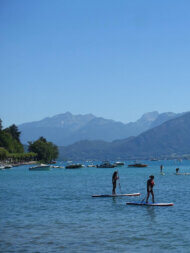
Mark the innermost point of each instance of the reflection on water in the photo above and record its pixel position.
(114, 200)
(151, 213)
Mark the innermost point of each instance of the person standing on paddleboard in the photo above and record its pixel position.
(161, 168)
(150, 185)
(114, 180)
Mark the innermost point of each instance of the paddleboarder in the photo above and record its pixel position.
(150, 185)
(114, 180)
(161, 168)
(177, 170)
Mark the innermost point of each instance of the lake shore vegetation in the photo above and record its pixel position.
(12, 150)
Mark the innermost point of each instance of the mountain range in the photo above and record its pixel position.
(169, 139)
(66, 129)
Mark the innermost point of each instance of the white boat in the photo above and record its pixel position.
(40, 167)
(1, 167)
(57, 167)
(7, 166)
(119, 164)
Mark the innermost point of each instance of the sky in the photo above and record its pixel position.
(115, 59)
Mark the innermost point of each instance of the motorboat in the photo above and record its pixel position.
(57, 167)
(41, 167)
(106, 165)
(74, 166)
(119, 164)
(53, 162)
(139, 165)
(153, 159)
(8, 166)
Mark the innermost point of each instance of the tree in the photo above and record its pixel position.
(1, 126)
(3, 153)
(46, 151)
(13, 130)
(11, 147)
(9, 143)
(20, 157)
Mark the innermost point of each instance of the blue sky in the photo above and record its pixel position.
(115, 59)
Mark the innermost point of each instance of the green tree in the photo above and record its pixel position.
(11, 147)
(46, 151)
(1, 126)
(22, 157)
(13, 130)
(3, 153)
(9, 143)
(10, 139)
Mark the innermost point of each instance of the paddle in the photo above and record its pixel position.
(143, 199)
(119, 182)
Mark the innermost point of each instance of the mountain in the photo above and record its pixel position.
(57, 129)
(65, 129)
(171, 137)
(168, 139)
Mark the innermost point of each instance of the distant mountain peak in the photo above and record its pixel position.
(67, 128)
(170, 139)
(149, 116)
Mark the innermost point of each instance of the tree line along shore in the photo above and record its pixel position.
(13, 152)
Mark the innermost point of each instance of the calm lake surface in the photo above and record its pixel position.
(53, 211)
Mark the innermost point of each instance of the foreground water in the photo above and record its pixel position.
(53, 211)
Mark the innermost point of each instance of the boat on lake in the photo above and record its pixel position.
(57, 167)
(91, 165)
(8, 166)
(41, 167)
(139, 165)
(117, 164)
(106, 165)
(74, 166)
(153, 159)
(53, 162)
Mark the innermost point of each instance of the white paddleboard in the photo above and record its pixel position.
(149, 204)
(116, 195)
(183, 174)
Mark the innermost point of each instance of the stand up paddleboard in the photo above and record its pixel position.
(182, 174)
(162, 173)
(149, 204)
(116, 195)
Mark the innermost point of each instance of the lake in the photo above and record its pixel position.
(53, 211)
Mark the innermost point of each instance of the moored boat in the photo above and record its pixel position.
(139, 165)
(41, 167)
(8, 166)
(74, 166)
(53, 162)
(57, 167)
(117, 164)
(106, 165)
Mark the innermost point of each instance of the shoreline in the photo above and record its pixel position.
(11, 164)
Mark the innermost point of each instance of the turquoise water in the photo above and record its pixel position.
(53, 211)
